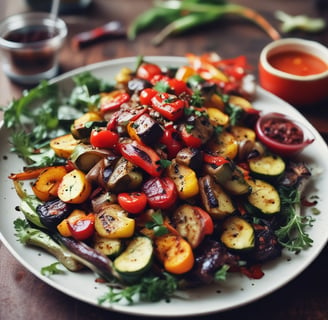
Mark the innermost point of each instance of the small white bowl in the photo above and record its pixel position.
(296, 89)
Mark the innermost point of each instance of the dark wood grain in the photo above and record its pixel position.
(23, 296)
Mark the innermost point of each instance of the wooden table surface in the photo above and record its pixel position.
(23, 296)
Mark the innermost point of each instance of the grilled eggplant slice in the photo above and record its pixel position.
(215, 200)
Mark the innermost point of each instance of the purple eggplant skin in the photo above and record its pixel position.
(52, 212)
(89, 257)
(209, 257)
(267, 246)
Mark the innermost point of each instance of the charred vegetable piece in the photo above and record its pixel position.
(82, 126)
(64, 146)
(263, 199)
(210, 256)
(175, 253)
(190, 157)
(267, 167)
(215, 200)
(238, 234)
(135, 260)
(108, 247)
(85, 156)
(225, 145)
(267, 246)
(47, 183)
(124, 177)
(142, 156)
(74, 187)
(184, 178)
(89, 257)
(145, 129)
(192, 223)
(113, 222)
(52, 212)
(161, 192)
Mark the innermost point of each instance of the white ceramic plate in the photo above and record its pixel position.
(236, 291)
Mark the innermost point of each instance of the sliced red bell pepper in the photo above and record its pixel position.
(147, 71)
(113, 101)
(208, 225)
(134, 202)
(217, 160)
(168, 105)
(161, 192)
(146, 95)
(189, 139)
(142, 156)
(171, 139)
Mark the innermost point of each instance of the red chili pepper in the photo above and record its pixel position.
(82, 228)
(168, 105)
(171, 139)
(161, 192)
(142, 156)
(134, 202)
(217, 160)
(189, 139)
(113, 102)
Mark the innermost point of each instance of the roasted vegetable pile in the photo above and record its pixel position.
(160, 182)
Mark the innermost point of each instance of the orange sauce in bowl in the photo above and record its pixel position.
(298, 63)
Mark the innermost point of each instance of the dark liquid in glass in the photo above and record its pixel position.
(35, 58)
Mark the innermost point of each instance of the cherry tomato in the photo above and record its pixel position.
(113, 101)
(208, 225)
(161, 192)
(103, 138)
(147, 71)
(82, 228)
(134, 202)
(146, 95)
(168, 105)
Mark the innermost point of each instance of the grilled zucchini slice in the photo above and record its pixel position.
(238, 234)
(268, 167)
(263, 199)
(135, 260)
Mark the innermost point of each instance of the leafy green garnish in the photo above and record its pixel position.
(162, 86)
(221, 274)
(149, 289)
(157, 224)
(51, 269)
(293, 234)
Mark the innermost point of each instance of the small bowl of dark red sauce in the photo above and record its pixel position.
(283, 135)
(30, 43)
(295, 70)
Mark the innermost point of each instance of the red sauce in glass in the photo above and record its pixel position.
(283, 131)
(297, 63)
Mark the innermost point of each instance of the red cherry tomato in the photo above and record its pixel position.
(134, 202)
(161, 192)
(82, 228)
(147, 71)
(103, 138)
(146, 95)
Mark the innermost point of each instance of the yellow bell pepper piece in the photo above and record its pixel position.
(217, 117)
